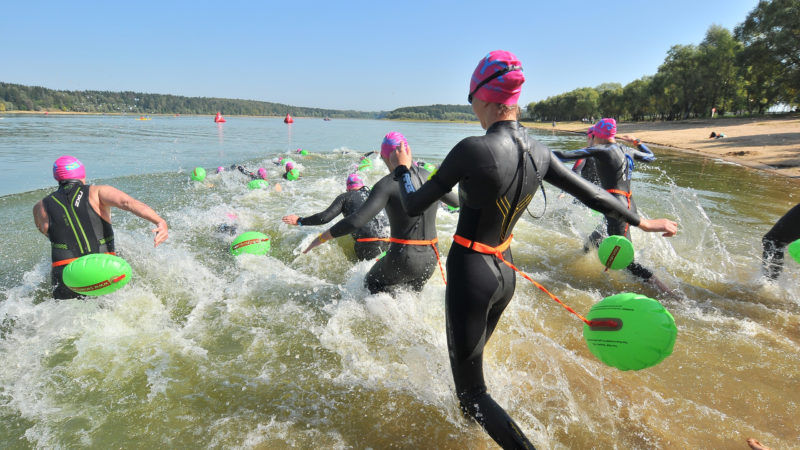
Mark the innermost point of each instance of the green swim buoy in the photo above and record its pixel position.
(429, 167)
(365, 163)
(97, 274)
(638, 331)
(292, 175)
(794, 250)
(198, 174)
(252, 242)
(258, 184)
(615, 252)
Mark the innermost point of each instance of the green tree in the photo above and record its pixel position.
(773, 28)
(718, 73)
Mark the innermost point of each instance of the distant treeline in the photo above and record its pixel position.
(432, 112)
(744, 72)
(34, 98)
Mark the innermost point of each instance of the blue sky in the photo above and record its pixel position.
(369, 56)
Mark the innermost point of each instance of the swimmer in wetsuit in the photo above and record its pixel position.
(615, 163)
(413, 253)
(785, 231)
(587, 167)
(77, 219)
(497, 174)
(346, 204)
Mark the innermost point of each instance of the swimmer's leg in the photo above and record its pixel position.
(772, 262)
(477, 293)
(60, 290)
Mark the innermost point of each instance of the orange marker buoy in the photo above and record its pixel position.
(288, 119)
(219, 118)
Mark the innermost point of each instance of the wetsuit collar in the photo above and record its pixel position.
(503, 124)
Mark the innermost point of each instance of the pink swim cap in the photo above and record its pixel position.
(354, 181)
(590, 131)
(289, 165)
(605, 129)
(262, 172)
(497, 79)
(390, 142)
(68, 168)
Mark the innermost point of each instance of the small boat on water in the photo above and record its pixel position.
(327, 119)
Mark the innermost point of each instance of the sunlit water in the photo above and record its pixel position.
(203, 349)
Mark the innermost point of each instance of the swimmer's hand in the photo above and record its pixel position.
(668, 227)
(401, 155)
(290, 219)
(162, 233)
(322, 238)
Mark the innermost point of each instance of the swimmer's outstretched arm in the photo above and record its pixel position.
(319, 218)
(600, 200)
(110, 196)
(377, 200)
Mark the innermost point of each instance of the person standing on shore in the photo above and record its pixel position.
(497, 175)
(77, 219)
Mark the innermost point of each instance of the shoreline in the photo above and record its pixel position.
(770, 144)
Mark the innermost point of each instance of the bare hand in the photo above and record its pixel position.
(402, 155)
(162, 233)
(322, 238)
(668, 227)
(290, 219)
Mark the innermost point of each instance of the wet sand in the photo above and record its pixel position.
(771, 144)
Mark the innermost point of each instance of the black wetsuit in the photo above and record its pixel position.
(497, 180)
(587, 168)
(346, 204)
(74, 230)
(614, 168)
(404, 265)
(785, 231)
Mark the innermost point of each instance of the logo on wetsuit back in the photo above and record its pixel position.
(78, 198)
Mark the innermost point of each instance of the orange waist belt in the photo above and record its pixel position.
(64, 262)
(431, 242)
(628, 196)
(497, 252)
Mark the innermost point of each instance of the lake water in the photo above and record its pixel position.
(202, 349)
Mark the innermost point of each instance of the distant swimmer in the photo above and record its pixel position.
(77, 219)
(260, 174)
(615, 164)
(291, 172)
(785, 231)
(413, 251)
(497, 176)
(346, 204)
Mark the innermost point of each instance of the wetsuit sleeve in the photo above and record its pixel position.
(589, 194)
(325, 216)
(642, 153)
(378, 197)
(579, 165)
(572, 155)
(451, 198)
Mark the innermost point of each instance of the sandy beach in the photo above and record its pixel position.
(771, 144)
